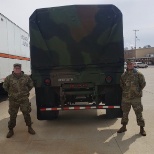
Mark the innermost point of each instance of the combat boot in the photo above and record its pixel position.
(142, 131)
(30, 130)
(10, 133)
(122, 129)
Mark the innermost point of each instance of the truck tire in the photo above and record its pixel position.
(47, 115)
(113, 113)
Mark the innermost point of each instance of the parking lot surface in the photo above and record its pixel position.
(81, 132)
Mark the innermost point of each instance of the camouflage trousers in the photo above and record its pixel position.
(25, 107)
(137, 107)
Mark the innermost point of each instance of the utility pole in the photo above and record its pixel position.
(135, 37)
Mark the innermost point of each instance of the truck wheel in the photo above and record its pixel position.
(47, 115)
(113, 113)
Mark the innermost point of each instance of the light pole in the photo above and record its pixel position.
(135, 37)
(135, 42)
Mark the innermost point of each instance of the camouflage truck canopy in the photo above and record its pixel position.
(76, 35)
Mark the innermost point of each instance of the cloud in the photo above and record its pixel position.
(136, 14)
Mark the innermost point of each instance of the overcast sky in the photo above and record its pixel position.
(137, 15)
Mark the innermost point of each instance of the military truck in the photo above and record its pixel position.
(77, 58)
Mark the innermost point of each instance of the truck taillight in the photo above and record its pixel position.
(47, 82)
(108, 79)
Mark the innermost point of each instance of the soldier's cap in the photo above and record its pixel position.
(129, 61)
(17, 64)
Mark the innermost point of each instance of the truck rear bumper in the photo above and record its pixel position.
(79, 108)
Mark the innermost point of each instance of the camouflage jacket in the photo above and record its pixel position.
(132, 83)
(18, 86)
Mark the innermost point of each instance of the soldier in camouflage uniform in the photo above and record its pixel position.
(132, 83)
(18, 86)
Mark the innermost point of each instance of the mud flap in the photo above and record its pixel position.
(46, 97)
(47, 115)
(113, 113)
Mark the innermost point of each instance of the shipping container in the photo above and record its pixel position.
(14, 48)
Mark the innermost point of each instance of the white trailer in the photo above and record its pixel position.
(14, 48)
